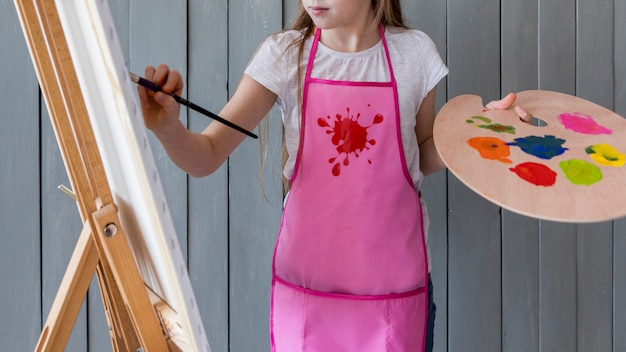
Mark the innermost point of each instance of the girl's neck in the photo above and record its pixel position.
(353, 38)
(349, 42)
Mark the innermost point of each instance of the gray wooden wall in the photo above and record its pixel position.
(503, 282)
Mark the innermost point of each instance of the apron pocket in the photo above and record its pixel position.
(313, 321)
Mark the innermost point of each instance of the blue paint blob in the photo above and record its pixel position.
(546, 147)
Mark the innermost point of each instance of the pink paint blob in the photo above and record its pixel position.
(582, 123)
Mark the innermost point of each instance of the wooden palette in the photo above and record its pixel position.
(570, 168)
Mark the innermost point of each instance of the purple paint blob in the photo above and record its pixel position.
(546, 147)
(582, 123)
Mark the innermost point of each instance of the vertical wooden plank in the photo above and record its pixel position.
(430, 17)
(557, 287)
(557, 257)
(520, 50)
(474, 272)
(557, 46)
(595, 287)
(619, 286)
(619, 42)
(253, 220)
(520, 283)
(207, 85)
(158, 34)
(20, 299)
(473, 55)
(434, 195)
(595, 67)
(290, 10)
(520, 234)
(595, 51)
(99, 338)
(60, 228)
(619, 235)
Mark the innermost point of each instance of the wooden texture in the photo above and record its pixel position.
(503, 281)
(595, 262)
(253, 220)
(474, 247)
(20, 170)
(207, 85)
(520, 234)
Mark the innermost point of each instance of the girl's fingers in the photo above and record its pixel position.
(506, 103)
(503, 103)
(523, 114)
(174, 83)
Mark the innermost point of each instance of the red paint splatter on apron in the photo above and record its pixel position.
(349, 136)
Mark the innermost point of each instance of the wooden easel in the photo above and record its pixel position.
(102, 246)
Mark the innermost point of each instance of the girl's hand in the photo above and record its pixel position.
(161, 111)
(506, 103)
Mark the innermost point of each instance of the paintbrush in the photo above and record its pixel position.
(156, 88)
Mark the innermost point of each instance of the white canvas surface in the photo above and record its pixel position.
(122, 140)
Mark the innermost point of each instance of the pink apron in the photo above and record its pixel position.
(350, 267)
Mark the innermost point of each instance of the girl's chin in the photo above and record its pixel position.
(323, 25)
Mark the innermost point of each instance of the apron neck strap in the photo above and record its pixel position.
(316, 39)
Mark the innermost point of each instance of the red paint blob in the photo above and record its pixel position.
(537, 174)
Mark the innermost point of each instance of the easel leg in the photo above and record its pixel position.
(85, 261)
(70, 295)
(133, 300)
(123, 336)
(129, 313)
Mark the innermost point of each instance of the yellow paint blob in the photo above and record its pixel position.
(606, 155)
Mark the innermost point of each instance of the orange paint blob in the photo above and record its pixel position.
(491, 148)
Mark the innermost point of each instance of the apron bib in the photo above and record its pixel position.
(350, 268)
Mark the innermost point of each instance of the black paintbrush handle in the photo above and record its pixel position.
(156, 88)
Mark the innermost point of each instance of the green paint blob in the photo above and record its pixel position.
(481, 118)
(580, 172)
(496, 127)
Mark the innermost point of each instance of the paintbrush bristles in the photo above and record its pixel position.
(134, 77)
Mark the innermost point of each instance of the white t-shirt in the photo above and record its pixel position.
(415, 61)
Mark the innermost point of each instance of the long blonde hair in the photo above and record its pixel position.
(386, 12)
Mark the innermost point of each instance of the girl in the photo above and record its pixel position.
(357, 93)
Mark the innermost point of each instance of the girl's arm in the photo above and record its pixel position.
(200, 154)
(430, 162)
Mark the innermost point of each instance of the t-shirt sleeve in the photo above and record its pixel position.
(268, 65)
(438, 70)
(435, 69)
